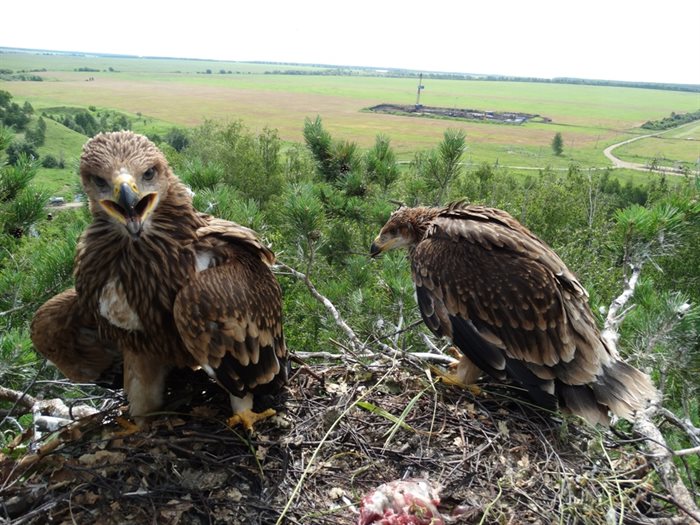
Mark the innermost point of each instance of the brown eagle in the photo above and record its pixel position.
(513, 308)
(162, 286)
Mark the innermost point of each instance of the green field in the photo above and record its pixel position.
(678, 146)
(164, 92)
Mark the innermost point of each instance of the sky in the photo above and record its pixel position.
(632, 40)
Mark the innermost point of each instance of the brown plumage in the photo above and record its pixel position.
(162, 286)
(513, 308)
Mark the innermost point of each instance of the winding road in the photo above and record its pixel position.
(619, 163)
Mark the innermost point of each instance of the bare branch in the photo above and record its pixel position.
(658, 452)
(357, 347)
(54, 408)
(684, 424)
(687, 451)
(349, 332)
(661, 457)
(615, 316)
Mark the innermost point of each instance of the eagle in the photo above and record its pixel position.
(513, 308)
(160, 286)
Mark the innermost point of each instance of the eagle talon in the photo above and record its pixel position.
(452, 378)
(248, 418)
(128, 427)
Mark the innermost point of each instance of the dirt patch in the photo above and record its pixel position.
(492, 458)
(459, 114)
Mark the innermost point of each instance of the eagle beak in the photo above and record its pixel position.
(129, 208)
(376, 249)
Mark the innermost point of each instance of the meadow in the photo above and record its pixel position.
(678, 146)
(159, 93)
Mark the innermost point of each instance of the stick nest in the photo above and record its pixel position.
(343, 431)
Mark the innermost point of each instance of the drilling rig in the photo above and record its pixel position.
(420, 87)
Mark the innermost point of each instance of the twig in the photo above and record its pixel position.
(13, 310)
(354, 340)
(684, 424)
(687, 451)
(429, 356)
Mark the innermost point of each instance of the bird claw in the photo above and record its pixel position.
(452, 378)
(248, 418)
(128, 427)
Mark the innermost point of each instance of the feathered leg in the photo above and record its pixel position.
(144, 384)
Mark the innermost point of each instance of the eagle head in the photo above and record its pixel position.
(404, 229)
(124, 175)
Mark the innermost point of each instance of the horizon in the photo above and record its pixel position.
(618, 41)
(486, 76)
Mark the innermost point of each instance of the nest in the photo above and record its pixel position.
(343, 430)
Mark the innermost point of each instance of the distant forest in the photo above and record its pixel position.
(400, 73)
(334, 69)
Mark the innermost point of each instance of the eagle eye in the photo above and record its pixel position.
(149, 173)
(100, 182)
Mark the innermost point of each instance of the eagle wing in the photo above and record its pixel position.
(506, 300)
(229, 315)
(67, 335)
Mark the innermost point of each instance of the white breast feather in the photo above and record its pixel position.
(203, 260)
(115, 308)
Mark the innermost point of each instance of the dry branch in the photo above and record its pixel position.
(54, 408)
(357, 346)
(615, 317)
(658, 452)
(661, 456)
(349, 332)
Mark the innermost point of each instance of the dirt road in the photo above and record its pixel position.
(619, 163)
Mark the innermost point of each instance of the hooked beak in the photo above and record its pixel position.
(129, 208)
(375, 250)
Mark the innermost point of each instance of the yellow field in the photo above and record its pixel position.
(589, 117)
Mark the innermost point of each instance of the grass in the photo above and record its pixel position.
(679, 146)
(159, 93)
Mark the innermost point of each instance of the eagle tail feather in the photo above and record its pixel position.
(581, 401)
(624, 389)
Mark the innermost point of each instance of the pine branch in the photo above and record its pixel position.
(357, 347)
(658, 452)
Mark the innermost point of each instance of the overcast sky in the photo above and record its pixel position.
(643, 40)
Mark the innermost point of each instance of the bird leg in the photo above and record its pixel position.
(144, 384)
(243, 412)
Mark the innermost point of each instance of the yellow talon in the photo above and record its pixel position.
(129, 427)
(456, 378)
(248, 418)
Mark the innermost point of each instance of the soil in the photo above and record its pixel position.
(457, 113)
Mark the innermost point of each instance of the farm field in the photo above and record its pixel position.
(165, 92)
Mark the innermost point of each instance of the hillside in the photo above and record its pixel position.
(363, 405)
